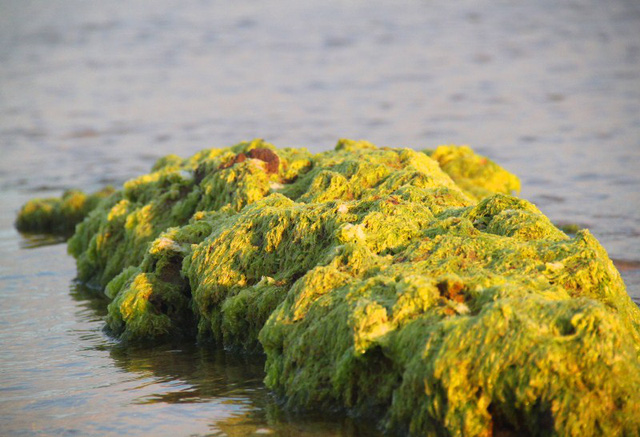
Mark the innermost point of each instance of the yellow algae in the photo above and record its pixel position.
(58, 215)
(477, 175)
(405, 286)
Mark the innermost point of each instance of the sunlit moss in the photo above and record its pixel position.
(405, 286)
(59, 215)
(477, 175)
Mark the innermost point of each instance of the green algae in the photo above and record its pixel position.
(59, 215)
(476, 175)
(406, 286)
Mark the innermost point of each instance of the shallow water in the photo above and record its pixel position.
(92, 93)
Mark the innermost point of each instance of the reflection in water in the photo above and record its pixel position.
(191, 374)
(203, 375)
(33, 241)
(90, 299)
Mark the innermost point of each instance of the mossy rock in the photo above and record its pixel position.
(59, 215)
(409, 287)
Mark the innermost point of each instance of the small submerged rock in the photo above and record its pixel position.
(406, 286)
(59, 215)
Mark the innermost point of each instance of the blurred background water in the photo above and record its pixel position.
(91, 93)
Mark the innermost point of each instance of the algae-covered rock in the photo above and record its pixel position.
(476, 175)
(59, 215)
(393, 284)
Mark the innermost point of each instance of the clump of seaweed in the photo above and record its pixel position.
(406, 286)
(477, 175)
(59, 215)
